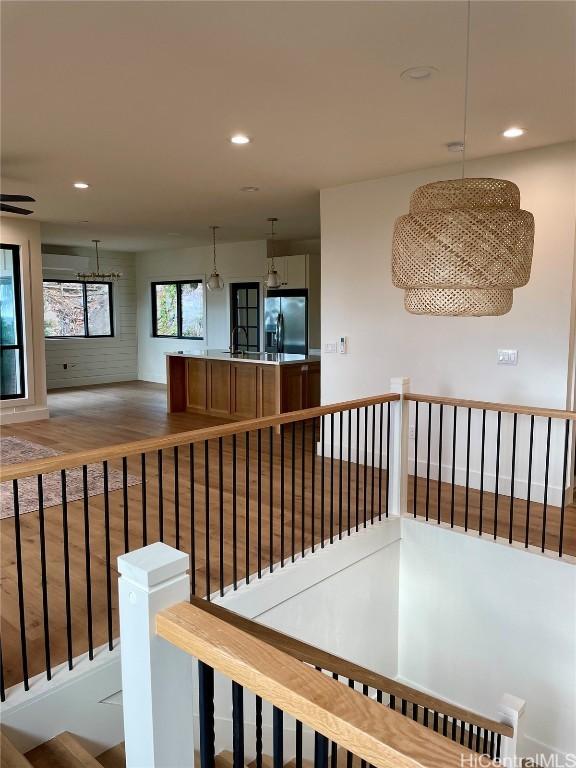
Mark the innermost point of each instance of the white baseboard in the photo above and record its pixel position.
(28, 414)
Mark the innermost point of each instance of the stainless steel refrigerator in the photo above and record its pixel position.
(286, 321)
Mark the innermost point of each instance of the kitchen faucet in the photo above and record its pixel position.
(234, 347)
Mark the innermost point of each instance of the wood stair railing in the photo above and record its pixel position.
(358, 724)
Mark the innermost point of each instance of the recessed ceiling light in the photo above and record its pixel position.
(418, 73)
(240, 138)
(81, 185)
(455, 146)
(249, 189)
(513, 133)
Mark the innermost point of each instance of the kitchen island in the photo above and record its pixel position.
(241, 385)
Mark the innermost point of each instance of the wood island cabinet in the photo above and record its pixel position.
(240, 389)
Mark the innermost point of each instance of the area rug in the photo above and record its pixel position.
(13, 450)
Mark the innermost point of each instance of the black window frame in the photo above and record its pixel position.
(18, 309)
(177, 283)
(234, 288)
(85, 283)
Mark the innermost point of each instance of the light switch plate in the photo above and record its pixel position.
(507, 357)
(329, 347)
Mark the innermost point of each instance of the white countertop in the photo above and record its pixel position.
(262, 358)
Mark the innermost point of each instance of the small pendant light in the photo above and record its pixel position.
(465, 244)
(98, 276)
(273, 278)
(215, 282)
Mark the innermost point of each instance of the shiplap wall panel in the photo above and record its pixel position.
(95, 361)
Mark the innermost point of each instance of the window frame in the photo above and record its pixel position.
(177, 283)
(84, 283)
(18, 309)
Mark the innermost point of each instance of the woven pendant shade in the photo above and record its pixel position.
(463, 248)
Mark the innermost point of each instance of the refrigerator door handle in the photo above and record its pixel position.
(280, 332)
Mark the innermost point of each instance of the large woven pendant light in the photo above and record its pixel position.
(465, 244)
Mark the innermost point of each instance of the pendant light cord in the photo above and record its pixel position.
(97, 256)
(466, 81)
(214, 247)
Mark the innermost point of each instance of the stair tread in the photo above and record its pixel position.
(10, 757)
(63, 751)
(114, 757)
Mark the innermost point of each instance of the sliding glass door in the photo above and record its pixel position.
(12, 379)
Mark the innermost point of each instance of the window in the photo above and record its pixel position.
(245, 316)
(75, 309)
(178, 309)
(12, 382)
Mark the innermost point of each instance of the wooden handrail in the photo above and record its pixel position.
(377, 734)
(525, 410)
(348, 669)
(118, 451)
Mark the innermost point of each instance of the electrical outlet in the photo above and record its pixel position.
(412, 432)
(65, 366)
(507, 357)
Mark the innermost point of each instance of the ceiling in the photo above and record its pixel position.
(139, 99)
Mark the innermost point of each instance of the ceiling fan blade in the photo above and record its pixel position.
(16, 199)
(12, 209)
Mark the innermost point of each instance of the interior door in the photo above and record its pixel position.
(245, 316)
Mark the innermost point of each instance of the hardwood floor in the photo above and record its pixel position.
(103, 415)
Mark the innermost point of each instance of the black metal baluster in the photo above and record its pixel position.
(143, 499)
(435, 722)
(357, 466)
(44, 578)
(340, 473)
(380, 441)
(467, 498)
(206, 711)
(66, 547)
(470, 735)
(444, 725)
(498, 746)
(176, 497)
(491, 745)
(125, 504)
(529, 491)
(564, 476)
(512, 479)
(20, 580)
(221, 512)
(277, 738)
(247, 505)
(349, 474)
(453, 489)
(298, 759)
(392, 702)
(192, 475)
(462, 731)
(454, 725)
(404, 706)
(331, 478)
(207, 517)
(546, 478)
(365, 472)
(322, 480)
(282, 488)
(107, 555)
(87, 563)
(293, 491)
(237, 726)
(482, 457)
(428, 455)
(320, 751)
(259, 503)
(415, 492)
(313, 489)
(303, 490)
(497, 481)
(440, 431)
(234, 514)
(373, 460)
(415, 712)
(425, 718)
(387, 458)
(258, 722)
(160, 496)
(271, 499)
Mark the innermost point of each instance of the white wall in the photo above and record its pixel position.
(237, 262)
(478, 619)
(26, 234)
(455, 356)
(94, 361)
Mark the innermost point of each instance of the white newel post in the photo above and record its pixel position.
(156, 676)
(510, 711)
(399, 448)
